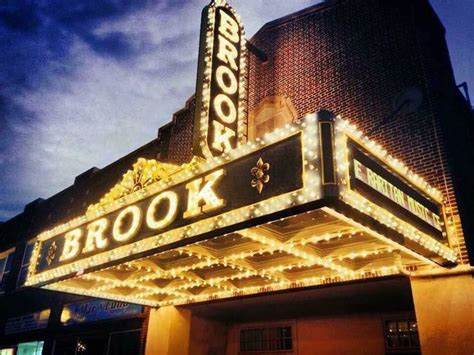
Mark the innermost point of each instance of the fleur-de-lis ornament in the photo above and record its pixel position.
(51, 253)
(259, 173)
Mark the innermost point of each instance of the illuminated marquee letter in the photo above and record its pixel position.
(436, 221)
(229, 27)
(71, 244)
(227, 52)
(203, 199)
(232, 86)
(136, 215)
(222, 136)
(358, 170)
(95, 235)
(165, 221)
(220, 101)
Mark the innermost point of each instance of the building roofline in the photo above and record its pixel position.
(298, 14)
(108, 166)
(74, 184)
(320, 7)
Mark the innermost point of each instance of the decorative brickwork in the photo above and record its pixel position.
(179, 135)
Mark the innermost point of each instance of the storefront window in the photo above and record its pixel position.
(90, 345)
(401, 335)
(65, 346)
(32, 348)
(116, 343)
(266, 339)
(124, 343)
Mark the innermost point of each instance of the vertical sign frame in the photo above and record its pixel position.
(220, 123)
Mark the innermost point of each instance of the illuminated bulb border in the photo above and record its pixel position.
(345, 130)
(268, 245)
(284, 285)
(177, 294)
(206, 91)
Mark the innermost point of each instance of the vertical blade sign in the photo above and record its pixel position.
(220, 90)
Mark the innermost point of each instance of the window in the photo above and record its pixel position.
(25, 263)
(90, 345)
(31, 348)
(5, 267)
(401, 335)
(271, 113)
(117, 343)
(124, 343)
(271, 339)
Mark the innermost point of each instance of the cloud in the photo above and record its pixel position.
(83, 83)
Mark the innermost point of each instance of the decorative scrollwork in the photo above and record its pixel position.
(51, 253)
(145, 172)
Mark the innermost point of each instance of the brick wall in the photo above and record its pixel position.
(180, 135)
(354, 57)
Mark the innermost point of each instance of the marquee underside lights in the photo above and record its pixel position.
(309, 249)
(255, 219)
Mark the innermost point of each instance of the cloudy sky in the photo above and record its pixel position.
(84, 82)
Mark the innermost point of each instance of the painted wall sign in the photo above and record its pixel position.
(372, 179)
(27, 322)
(239, 183)
(220, 89)
(83, 312)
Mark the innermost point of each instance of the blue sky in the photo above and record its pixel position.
(84, 82)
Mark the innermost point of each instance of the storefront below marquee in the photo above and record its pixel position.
(86, 326)
(29, 348)
(103, 340)
(374, 318)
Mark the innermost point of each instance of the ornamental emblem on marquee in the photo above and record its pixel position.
(259, 174)
(51, 253)
(144, 173)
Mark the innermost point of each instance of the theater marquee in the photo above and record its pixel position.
(256, 219)
(240, 183)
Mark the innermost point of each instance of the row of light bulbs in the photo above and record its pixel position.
(220, 282)
(345, 130)
(173, 297)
